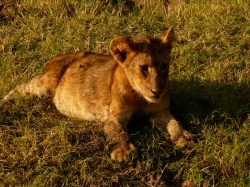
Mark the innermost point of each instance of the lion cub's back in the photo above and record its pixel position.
(84, 90)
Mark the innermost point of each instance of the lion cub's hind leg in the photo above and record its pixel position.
(44, 84)
(39, 86)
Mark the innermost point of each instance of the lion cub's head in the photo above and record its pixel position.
(146, 62)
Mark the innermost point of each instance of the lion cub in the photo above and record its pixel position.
(112, 88)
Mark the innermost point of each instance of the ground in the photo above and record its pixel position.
(209, 95)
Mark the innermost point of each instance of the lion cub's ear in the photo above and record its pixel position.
(168, 37)
(120, 47)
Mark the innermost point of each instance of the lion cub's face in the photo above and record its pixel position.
(146, 63)
(148, 75)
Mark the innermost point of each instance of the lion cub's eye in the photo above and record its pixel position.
(164, 67)
(144, 68)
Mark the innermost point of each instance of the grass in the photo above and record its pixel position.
(210, 86)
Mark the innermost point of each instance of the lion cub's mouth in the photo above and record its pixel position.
(156, 96)
(153, 99)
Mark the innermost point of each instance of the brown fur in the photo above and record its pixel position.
(112, 88)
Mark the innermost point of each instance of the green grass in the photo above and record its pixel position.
(210, 91)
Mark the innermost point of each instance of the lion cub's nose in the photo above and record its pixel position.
(157, 93)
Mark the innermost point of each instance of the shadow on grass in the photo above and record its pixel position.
(195, 103)
(159, 163)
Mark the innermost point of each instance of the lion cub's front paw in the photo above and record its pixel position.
(124, 153)
(183, 139)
